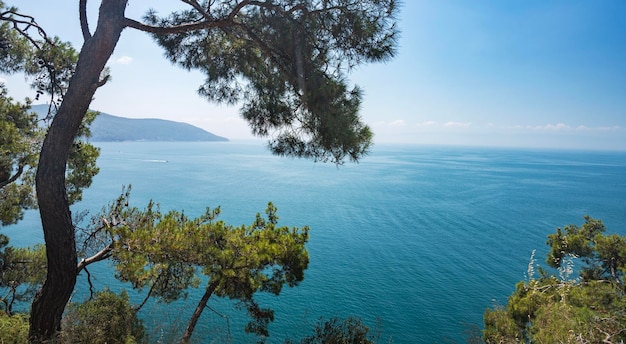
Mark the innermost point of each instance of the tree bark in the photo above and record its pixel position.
(50, 301)
(198, 312)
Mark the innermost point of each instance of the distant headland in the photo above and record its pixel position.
(106, 128)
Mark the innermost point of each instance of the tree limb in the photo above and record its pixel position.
(198, 311)
(210, 22)
(102, 82)
(29, 22)
(138, 308)
(264, 4)
(197, 7)
(177, 29)
(84, 25)
(91, 288)
(20, 170)
(101, 255)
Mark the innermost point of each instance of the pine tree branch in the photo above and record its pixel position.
(178, 28)
(18, 173)
(138, 308)
(22, 24)
(103, 254)
(210, 22)
(91, 288)
(197, 7)
(28, 22)
(84, 25)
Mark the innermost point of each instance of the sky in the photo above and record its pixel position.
(533, 73)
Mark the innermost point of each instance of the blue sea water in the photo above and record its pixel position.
(415, 240)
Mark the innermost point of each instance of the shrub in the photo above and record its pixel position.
(339, 331)
(13, 329)
(108, 318)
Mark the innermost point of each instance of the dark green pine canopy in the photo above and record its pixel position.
(286, 63)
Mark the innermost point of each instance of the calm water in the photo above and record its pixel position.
(416, 240)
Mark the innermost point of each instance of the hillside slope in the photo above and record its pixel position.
(113, 128)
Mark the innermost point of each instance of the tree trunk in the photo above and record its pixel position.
(50, 301)
(196, 313)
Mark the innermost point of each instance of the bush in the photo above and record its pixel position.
(557, 308)
(339, 331)
(13, 329)
(108, 318)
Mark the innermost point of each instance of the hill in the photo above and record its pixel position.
(113, 128)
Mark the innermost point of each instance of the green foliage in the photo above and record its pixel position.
(500, 328)
(338, 331)
(19, 141)
(558, 309)
(52, 68)
(26, 48)
(604, 255)
(22, 271)
(81, 164)
(50, 63)
(13, 329)
(14, 48)
(21, 137)
(166, 253)
(287, 63)
(108, 318)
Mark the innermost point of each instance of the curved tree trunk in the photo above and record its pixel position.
(50, 301)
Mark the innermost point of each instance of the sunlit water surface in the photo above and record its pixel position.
(415, 240)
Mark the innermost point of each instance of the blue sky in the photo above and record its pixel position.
(548, 74)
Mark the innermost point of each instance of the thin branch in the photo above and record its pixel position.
(138, 308)
(238, 8)
(12, 299)
(29, 22)
(223, 316)
(197, 7)
(84, 25)
(102, 82)
(51, 106)
(282, 11)
(20, 170)
(91, 288)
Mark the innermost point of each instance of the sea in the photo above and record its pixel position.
(415, 240)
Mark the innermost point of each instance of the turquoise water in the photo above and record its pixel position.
(416, 240)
